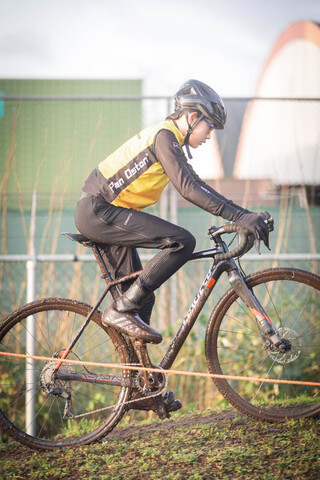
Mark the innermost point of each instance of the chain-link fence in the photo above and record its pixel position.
(51, 142)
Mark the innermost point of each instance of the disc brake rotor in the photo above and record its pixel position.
(292, 337)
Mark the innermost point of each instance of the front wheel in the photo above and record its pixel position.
(236, 346)
(45, 412)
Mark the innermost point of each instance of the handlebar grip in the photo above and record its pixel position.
(245, 237)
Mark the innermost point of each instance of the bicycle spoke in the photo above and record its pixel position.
(57, 321)
(291, 298)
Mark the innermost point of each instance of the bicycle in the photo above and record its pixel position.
(266, 325)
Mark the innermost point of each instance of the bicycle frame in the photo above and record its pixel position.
(214, 273)
(217, 268)
(237, 282)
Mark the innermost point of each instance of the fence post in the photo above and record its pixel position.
(173, 212)
(173, 279)
(31, 325)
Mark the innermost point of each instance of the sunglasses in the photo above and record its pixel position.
(209, 123)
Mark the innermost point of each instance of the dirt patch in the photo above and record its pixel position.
(140, 431)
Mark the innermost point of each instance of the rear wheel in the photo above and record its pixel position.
(235, 345)
(43, 412)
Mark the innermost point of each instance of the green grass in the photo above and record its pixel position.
(223, 445)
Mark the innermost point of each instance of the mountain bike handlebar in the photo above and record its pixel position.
(245, 240)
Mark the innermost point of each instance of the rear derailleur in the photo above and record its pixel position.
(51, 385)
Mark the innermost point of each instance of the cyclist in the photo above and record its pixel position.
(132, 178)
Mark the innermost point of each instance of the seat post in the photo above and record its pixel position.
(106, 275)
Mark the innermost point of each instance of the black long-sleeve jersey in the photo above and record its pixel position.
(136, 173)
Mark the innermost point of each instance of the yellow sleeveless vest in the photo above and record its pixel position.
(134, 175)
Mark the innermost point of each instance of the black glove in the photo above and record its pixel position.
(258, 223)
(268, 220)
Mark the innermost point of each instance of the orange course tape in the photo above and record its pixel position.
(174, 372)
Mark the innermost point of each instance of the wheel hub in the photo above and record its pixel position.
(290, 348)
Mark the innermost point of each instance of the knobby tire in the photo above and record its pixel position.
(235, 346)
(56, 322)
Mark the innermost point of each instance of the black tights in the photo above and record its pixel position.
(122, 230)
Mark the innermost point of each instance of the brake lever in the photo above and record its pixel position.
(257, 245)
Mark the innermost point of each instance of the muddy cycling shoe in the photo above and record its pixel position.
(170, 403)
(131, 325)
(123, 315)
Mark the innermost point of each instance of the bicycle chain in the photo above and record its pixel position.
(152, 394)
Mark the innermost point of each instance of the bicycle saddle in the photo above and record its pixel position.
(77, 237)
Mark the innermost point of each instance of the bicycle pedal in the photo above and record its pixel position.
(174, 406)
(161, 404)
(171, 404)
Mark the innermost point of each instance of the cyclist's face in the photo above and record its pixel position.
(201, 132)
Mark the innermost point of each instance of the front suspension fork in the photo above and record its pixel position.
(248, 297)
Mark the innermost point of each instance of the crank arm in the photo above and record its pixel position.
(161, 409)
(143, 356)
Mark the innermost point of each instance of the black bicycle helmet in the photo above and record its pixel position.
(194, 94)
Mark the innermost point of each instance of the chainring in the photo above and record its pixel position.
(141, 384)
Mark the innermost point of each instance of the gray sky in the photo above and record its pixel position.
(224, 43)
